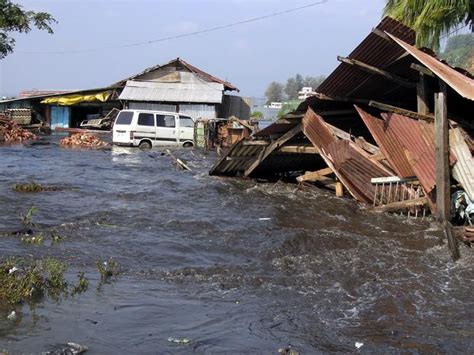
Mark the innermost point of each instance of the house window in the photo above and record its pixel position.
(146, 119)
(165, 121)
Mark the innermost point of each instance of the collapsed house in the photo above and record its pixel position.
(176, 86)
(376, 129)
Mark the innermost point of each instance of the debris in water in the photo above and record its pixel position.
(179, 341)
(27, 217)
(288, 351)
(77, 348)
(82, 284)
(264, 219)
(358, 345)
(83, 140)
(178, 162)
(34, 239)
(12, 315)
(32, 187)
(108, 268)
(12, 270)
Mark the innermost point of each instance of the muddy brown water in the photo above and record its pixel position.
(233, 265)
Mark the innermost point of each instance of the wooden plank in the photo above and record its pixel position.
(299, 149)
(270, 148)
(396, 206)
(443, 195)
(340, 99)
(401, 111)
(314, 175)
(374, 70)
(262, 143)
(423, 70)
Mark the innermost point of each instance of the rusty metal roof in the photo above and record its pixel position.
(462, 84)
(418, 139)
(374, 50)
(354, 169)
(388, 143)
(316, 130)
(463, 170)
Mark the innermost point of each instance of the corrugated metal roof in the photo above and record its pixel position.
(463, 170)
(350, 164)
(388, 143)
(189, 92)
(237, 159)
(462, 84)
(374, 50)
(418, 139)
(354, 169)
(179, 63)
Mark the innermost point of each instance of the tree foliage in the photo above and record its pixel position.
(459, 51)
(274, 92)
(13, 18)
(431, 18)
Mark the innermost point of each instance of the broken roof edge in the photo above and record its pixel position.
(458, 81)
(191, 68)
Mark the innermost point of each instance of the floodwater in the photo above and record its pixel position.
(232, 265)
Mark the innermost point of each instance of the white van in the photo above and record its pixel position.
(146, 129)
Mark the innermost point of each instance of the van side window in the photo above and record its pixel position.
(185, 121)
(165, 121)
(146, 119)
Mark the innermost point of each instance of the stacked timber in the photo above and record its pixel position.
(10, 131)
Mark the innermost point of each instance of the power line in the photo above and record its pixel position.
(188, 34)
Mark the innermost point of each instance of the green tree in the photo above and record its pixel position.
(13, 18)
(293, 85)
(459, 51)
(313, 81)
(274, 92)
(431, 18)
(256, 115)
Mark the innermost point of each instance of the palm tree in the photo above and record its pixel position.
(431, 19)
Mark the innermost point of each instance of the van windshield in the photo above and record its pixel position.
(124, 117)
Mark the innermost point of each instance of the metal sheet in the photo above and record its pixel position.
(462, 84)
(198, 111)
(172, 92)
(418, 139)
(388, 143)
(354, 169)
(316, 130)
(154, 106)
(374, 50)
(463, 170)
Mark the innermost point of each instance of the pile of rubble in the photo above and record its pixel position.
(83, 140)
(11, 132)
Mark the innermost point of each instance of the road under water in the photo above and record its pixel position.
(233, 265)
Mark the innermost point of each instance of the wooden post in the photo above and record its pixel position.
(422, 96)
(443, 195)
(339, 189)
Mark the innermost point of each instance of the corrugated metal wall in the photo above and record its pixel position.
(236, 106)
(198, 111)
(151, 106)
(15, 104)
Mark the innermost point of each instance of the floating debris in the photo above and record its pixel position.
(27, 217)
(83, 140)
(33, 187)
(358, 345)
(179, 341)
(108, 268)
(82, 284)
(12, 315)
(33, 239)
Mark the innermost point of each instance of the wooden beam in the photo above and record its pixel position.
(260, 143)
(271, 147)
(381, 34)
(443, 193)
(340, 99)
(422, 96)
(396, 206)
(299, 149)
(422, 69)
(314, 175)
(401, 111)
(374, 70)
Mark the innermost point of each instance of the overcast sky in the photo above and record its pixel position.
(249, 55)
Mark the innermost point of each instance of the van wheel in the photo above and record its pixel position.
(187, 145)
(144, 145)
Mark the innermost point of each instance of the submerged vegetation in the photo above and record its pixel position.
(108, 269)
(33, 187)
